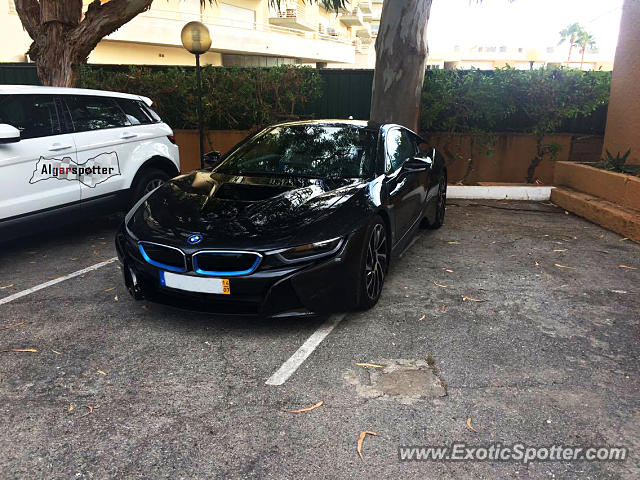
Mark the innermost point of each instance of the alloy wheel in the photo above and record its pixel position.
(153, 184)
(376, 261)
(442, 199)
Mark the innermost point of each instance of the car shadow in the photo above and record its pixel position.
(64, 235)
(173, 318)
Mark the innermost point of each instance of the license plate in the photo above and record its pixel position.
(195, 284)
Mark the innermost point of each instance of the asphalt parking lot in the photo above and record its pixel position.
(529, 317)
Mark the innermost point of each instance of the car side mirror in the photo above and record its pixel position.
(423, 147)
(9, 134)
(418, 163)
(212, 159)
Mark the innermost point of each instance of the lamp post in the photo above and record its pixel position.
(196, 39)
(532, 57)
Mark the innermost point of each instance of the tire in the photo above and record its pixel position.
(373, 265)
(145, 181)
(441, 206)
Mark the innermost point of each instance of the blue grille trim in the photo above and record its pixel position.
(164, 266)
(231, 273)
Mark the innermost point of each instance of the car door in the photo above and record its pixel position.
(403, 186)
(105, 142)
(35, 172)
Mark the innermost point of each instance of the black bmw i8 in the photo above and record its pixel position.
(300, 218)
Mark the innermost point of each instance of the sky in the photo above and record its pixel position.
(522, 23)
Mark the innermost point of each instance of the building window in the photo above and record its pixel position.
(550, 49)
(231, 60)
(503, 49)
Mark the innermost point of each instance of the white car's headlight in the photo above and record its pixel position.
(311, 251)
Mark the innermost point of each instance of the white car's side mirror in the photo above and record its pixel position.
(9, 134)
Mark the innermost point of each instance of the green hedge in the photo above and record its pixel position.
(534, 101)
(233, 98)
(471, 101)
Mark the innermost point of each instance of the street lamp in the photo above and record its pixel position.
(196, 39)
(532, 57)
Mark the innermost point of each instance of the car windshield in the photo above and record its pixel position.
(316, 151)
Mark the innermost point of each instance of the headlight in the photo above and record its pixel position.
(311, 251)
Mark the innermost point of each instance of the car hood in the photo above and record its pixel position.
(248, 212)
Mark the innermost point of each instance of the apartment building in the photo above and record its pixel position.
(488, 57)
(244, 33)
(252, 33)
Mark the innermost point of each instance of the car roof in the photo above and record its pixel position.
(368, 124)
(36, 90)
(356, 123)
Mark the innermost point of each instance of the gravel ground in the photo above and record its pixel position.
(522, 311)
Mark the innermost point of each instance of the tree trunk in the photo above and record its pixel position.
(401, 52)
(62, 39)
(56, 60)
(570, 49)
(582, 59)
(531, 171)
(470, 162)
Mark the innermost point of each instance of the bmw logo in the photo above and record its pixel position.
(194, 239)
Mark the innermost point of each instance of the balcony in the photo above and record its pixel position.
(163, 27)
(352, 18)
(294, 16)
(360, 46)
(366, 7)
(364, 34)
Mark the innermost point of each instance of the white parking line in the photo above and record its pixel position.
(290, 366)
(24, 293)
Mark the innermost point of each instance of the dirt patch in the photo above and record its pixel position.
(401, 380)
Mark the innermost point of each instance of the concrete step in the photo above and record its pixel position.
(622, 220)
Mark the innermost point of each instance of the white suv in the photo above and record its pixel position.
(65, 152)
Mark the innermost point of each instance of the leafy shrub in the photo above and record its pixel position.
(618, 163)
(507, 100)
(533, 101)
(233, 98)
(463, 101)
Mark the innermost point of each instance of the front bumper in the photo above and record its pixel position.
(318, 287)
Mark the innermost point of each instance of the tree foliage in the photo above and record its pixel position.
(463, 101)
(534, 101)
(570, 35)
(233, 98)
(577, 37)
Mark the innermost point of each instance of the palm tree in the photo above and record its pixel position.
(585, 40)
(571, 34)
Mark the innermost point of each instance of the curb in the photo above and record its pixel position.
(463, 192)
